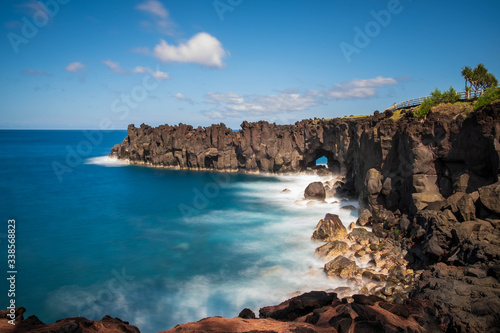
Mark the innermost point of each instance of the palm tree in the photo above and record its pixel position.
(467, 74)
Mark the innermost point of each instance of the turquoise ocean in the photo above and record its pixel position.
(155, 247)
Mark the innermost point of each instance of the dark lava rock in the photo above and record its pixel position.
(298, 306)
(247, 314)
(315, 190)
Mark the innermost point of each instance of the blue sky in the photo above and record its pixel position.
(73, 64)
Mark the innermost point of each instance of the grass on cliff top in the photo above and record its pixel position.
(398, 114)
(353, 117)
(455, 109)
(315, 121)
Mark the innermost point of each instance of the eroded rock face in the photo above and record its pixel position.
(329, 229)
(467, 297)
(415, 163)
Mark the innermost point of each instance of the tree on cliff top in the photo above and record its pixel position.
(478, 78)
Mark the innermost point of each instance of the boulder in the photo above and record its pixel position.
(315, 190)
(363, 237)
(452, 201)
(461, 183)
(365, 218)
(373, 181)
(329, 229)
(247, 314)
(431, 201)
(490, 197)
(331, 250)
(298, 306)
(387, 186)
(341, 267)
(467, 208)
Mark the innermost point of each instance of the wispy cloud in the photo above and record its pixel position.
(181, 97)
(202, 49)
(231, 104)
(75, 67)
(35, 72)
(157, 74)
(358, 88)
(115, 67)
(160, 16)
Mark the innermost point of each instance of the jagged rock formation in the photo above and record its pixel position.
(430, 185)
(318, 312)
(67, 325)
(418, 162)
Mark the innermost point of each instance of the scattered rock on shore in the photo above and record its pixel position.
(315, 190)
(329, 229)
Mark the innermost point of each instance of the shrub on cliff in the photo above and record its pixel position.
(489, 96)
(437, 97)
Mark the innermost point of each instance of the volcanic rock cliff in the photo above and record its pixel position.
(421, 161)
(430, 185)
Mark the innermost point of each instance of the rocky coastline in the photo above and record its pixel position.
(428, 230)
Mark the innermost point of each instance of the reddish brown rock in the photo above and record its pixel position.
(68, 325)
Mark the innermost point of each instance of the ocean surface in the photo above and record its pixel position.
(155, 247)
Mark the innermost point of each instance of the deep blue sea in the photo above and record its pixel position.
(155, 247)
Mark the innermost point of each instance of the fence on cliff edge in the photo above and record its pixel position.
(464, 95)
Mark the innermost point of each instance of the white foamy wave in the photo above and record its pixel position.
(106, 161)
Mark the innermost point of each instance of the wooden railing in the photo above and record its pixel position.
(464, 95)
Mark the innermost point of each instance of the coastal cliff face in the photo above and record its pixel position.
(421, 161)
(429, 186)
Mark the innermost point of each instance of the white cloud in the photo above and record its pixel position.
(181, 97)
(202, 49)
(153, 7)
(358, 88)
(231, 104)
(114, 66)
(75, 67)
(157, 74)
(160, 15)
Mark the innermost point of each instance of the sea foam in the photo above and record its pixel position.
(106, 161)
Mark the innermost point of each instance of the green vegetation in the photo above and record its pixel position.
(437, 97)
(478, 78)
(352, 117)
(398, 114)
(491, 94)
